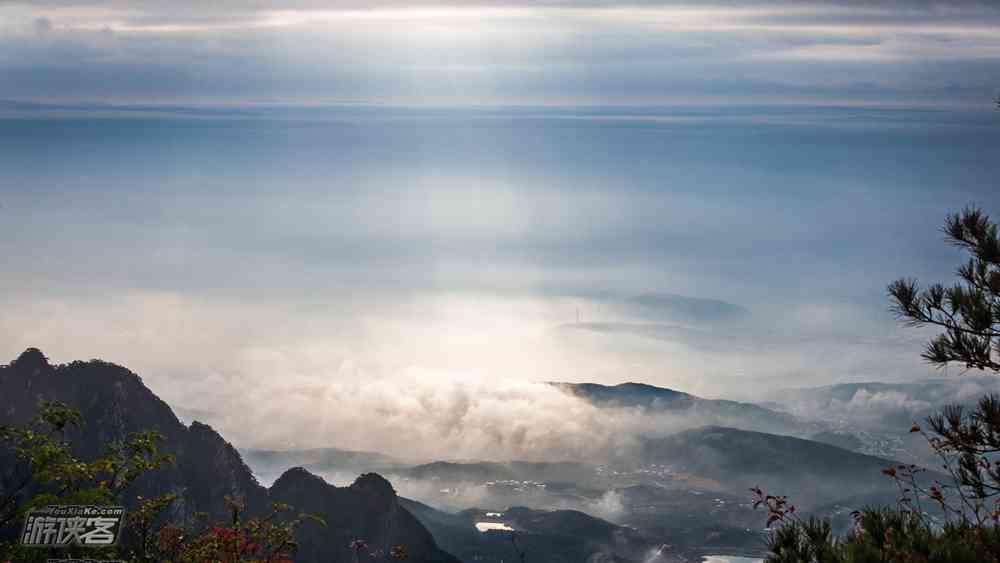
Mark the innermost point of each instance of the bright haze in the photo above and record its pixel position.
(381, 226)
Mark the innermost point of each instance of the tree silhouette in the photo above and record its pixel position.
(968, 311)
(965, 526)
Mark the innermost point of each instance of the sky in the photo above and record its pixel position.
(389, 212)
(501, 52)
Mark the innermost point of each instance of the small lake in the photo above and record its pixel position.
(487, 526)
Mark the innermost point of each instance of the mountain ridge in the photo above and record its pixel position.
(113, 402)
(721, 412)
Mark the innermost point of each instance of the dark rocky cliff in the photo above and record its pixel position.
(114, 401)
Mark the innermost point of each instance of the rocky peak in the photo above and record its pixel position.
(298, 478)
(204, 431)
(31, 360)
(113, 400)
(373, 484)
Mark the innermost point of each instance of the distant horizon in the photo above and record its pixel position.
(655, 104)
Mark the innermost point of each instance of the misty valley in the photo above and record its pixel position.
(679, 497)
(669, 492)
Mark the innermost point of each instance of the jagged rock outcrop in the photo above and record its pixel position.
(368, 509)
(114, 402)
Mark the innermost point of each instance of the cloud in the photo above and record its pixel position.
(500, 52)
(882, 406)
(610, 506)
(418, 374)
(867, 402)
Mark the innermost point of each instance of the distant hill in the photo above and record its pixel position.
(552, 536)
(368, 509)
(875, 417)
(268, 465)
(845, 440)
(461, 485)
(688, 490)
(630, 395)
(696, 410)
(811, 473)
(880, 406)
(479, 471)
(114, 402)
(498, 471)
(686, 309)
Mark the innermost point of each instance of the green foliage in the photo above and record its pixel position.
(935, 521)
(127, 460)
(807, 540)
(882, 535)
(45, 456)
(967, 441)
(269, 539)
(965, 524)
(968, 311)
(144, 522)
(50, 474)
